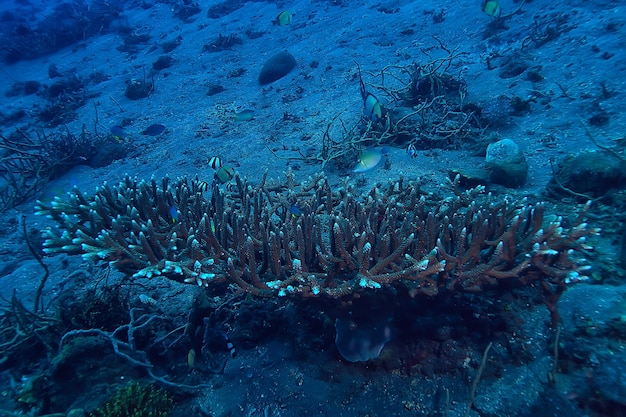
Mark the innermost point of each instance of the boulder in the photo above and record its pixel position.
(277, 67)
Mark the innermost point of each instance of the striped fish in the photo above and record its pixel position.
(230, 346)
(215, 162)
(203, 186)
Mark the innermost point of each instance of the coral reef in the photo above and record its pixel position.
(335, 244)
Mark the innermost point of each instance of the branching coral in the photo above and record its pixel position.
(338, 244)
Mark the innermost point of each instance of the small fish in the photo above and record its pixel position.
(491, 8)
(230, 345)
(215, 162)
(224, 174)
(368, 160)
(203, 186)
(244, 116)
(411, 150)
(153, 130)
(191, 358)
(174, 214)
(373, 108)
(283, 18)
(57, 188)
(118, 132)
(295, 211)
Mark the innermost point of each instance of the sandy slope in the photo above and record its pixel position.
(334, 37)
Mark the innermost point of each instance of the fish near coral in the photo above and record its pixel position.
(373, 108)
(368, 160)
(411, 150)
(215, 162)
(203, 186)
(173, 214)
(224, 174)
(191, 358)
(295, 211)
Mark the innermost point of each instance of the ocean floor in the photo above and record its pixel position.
(550, 76)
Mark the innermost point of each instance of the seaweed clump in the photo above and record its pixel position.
(138, 89)
(137, 400)
(29, 162)
(222, 43)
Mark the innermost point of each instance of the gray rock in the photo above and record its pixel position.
(507, 163)
(591, 173)
(610, 376)
(277, 67)
(77, 412)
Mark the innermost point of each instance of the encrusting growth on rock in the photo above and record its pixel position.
(335, 244)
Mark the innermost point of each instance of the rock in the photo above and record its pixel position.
(507, 163)
(360, 342)
(609, 379)
(590, 173)
(593, 326)
(470, 177)
(495, 399)
(163, 62)
(77, 412)
(277, 67)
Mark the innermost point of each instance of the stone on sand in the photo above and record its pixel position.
(277, 67)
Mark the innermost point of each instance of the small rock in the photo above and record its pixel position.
(590, 173)
(76, 412)
(277, 67)
(507, 163)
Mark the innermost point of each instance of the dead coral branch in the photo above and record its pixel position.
(337, 245)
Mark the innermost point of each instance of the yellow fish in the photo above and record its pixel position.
(368, 160)
(283, 19)
(373, 109)
(244, 116)
(191, 358)
(224, 174)
(491, 8)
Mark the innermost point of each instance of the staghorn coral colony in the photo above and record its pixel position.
(336, 244)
